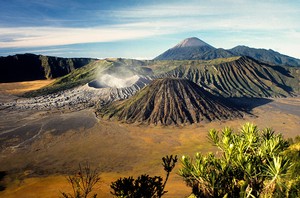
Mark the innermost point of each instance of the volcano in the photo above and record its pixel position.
(193, 42)
(193, 49)
(170, 101)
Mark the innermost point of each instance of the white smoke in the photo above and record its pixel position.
(113, 81)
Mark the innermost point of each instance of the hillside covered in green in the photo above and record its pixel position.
(228, 77)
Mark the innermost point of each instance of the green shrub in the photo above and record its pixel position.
(249, 164)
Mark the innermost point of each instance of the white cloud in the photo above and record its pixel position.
(275, 18)
(52, 36)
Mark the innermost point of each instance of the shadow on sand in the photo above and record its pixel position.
(247, 104)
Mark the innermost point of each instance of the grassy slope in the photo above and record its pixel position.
(234, 76)
(77, 77)
(160, 67)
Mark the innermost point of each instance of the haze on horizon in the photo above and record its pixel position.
(144, 29)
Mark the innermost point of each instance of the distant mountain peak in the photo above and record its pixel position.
(192, 42)
(188, 49)
(195, 49)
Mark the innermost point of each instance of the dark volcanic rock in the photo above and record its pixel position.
(170, 101)
(25, 67)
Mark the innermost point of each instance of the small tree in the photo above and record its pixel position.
(144, 186)
(82, 182)
(251, 164)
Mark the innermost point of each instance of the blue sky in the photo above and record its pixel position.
(144, 29)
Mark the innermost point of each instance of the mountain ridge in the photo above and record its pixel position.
(269, 56)
(242, 76)
(227, 77)
(25, 67)
(205, 51)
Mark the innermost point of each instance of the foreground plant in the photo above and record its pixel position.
(251, 164)
(144, 186)
(83, 182)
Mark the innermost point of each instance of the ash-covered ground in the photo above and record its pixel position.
(42, 139)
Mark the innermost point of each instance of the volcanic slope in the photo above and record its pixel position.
(169, 101)
(239, 77)
(193, 49)
(90, 74)
(228, 77)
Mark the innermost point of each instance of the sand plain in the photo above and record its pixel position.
(17, 88)
(40, 147)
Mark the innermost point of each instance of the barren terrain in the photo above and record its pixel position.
(22, 87)
(39, 147)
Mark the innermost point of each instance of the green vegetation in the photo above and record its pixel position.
(144, 186)
(293, 153)
(77, 77)
(252, 163)
(90, 72)
(82, 182)
(163, 66)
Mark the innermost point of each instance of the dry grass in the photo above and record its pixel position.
(18, 88)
